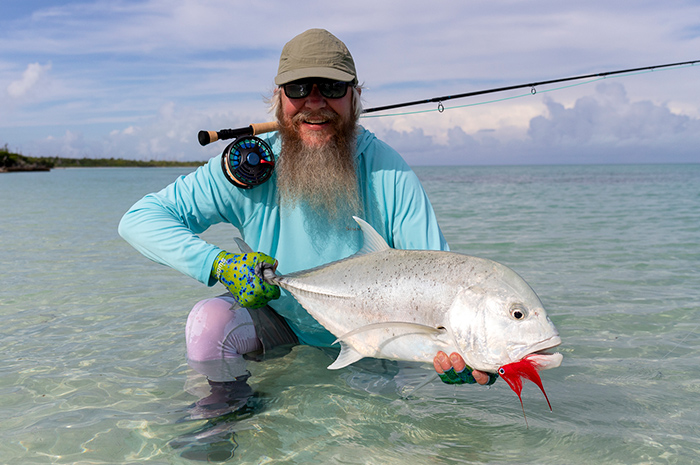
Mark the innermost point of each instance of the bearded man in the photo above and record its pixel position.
(328, 168)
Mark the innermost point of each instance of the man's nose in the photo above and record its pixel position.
(315, 100)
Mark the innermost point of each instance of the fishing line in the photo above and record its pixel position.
(533, 91)
(533, 86)
(206, 137)
(690, 333)
(443, 108)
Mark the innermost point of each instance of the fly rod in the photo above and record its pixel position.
(205, 137)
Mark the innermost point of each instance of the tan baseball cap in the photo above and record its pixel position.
(315, 53)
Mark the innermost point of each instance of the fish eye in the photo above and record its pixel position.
(518, 312)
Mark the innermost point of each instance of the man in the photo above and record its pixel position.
(328, 168)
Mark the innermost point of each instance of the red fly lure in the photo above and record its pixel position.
(513, 374)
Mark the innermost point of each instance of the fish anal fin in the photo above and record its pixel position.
(347, 356)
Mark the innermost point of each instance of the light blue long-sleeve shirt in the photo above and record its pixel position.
(163, 226)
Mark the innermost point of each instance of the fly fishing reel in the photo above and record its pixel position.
(248, 162)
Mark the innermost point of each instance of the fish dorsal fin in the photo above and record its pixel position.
(401, 327)
(245, 248)
(372, 241)
(347, 356)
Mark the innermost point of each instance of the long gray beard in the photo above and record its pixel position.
(322, 179)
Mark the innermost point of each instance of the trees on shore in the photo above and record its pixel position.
(15, 162)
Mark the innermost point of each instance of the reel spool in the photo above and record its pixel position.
(247, 162)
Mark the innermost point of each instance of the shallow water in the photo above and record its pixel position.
(93, 367)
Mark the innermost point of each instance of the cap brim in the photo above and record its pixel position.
(304, 73)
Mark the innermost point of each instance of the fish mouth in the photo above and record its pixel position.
(541, 356)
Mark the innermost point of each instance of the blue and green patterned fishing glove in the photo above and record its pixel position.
(463, 377)
(242, 276)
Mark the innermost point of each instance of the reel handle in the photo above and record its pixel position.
(207, 137)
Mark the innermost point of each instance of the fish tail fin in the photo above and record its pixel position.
(242, 245)
(266, 270)
(270, 277)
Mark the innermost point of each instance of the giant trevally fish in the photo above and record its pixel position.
(409, 304)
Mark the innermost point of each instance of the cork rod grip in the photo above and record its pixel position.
(262, 128)
(207, 137)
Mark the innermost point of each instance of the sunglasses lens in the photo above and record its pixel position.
(333, 89)
(328, 89)
(298, 89)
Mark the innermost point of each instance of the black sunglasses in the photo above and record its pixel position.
(327, 87)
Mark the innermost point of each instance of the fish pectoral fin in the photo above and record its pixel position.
(400, 328)
(347, 356)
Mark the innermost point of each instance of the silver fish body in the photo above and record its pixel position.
(410, 304)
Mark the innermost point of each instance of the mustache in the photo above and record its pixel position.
(323, 114)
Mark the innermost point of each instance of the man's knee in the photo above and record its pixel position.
(219, 328)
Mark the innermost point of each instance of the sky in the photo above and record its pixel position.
(139, 79)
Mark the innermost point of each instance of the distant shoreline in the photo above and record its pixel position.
(14, 162)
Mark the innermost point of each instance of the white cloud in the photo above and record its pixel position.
(31, 77)
(605, 127)
(608, 116)
(170, 135)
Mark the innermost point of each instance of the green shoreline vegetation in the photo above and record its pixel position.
(14, 162)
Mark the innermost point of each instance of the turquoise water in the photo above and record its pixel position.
(93, 363)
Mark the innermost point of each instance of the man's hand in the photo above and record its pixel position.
(453, 370)
(242, 276)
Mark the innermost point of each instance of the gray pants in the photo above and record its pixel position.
(219, 332)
